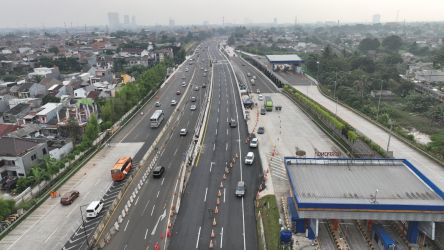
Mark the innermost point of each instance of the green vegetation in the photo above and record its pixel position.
(7, 207)
(129, 95)
(66, 64)
(267, 206)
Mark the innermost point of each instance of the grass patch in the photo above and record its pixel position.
(270, 219)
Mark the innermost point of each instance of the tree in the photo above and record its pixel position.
(392, 43)
(367, 44)
(231, 40)
(91, 130)
(392, 58)
(50, 98)
(6, 208)
(54, 50)
(437, 143)
(418, 103)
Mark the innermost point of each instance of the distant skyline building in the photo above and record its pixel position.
(133, 21)
(376, 19)
(126, 20)
(113, 21)
(275, 21)
(171, 22)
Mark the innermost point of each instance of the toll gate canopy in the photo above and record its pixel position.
(284, 59)
(363, 189)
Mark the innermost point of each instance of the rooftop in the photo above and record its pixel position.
(284, 58)
(15, 146)
(48, 108)
(378, 185)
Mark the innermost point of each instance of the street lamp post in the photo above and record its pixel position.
(379, 102)
(83, 224)
(317, 62)
(334, 94)
(390, 134)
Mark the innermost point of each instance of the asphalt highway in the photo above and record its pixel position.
(146, 221)
(235, 224)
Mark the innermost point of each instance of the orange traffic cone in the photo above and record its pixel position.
(156, 247)
(225, 176)
(211, 244)
(217, 201)
(219, 194)
(214, 221)
(216, 210)
(212, 233)
(168, 233)
(221, 185)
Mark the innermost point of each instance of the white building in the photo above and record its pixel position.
(49, 111)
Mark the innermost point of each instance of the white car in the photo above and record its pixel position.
(254, 142)
(184, 84)
(249, 158)
(193, 107)
(261, 97)
(183, 132)
(173, 102)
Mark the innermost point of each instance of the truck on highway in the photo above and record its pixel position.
(268, 103)
(157, 118)
(121, 168)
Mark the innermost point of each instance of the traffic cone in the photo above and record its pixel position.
(216, 210)
(237, 156)
(211, 244)
(227, 170)
(168, 233)
(221, 185)
(214, 221)
(169, 224)
(212, 233)
(218, 201)
(219, 194)
(156, 247)
(225, 177)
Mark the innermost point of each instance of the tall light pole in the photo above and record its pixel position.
(317, 62)
(390, 133)
(334, 93)
(379, 102)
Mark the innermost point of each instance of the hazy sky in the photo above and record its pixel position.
(38, 13)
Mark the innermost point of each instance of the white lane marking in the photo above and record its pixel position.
(152, 211)
(227, 131)
(221, 236)
(224, 194)
(162, 181)
(126, 225)
(227, 109)
(211, 165)
(227, 119)
(158, 192)
(214, 146)
(146, 232)
(216, 131)
(226, 146)
(146, 206)
(137, 200)
(217, 120)
(205, 197)
(51, 235)
(218, 110)
(161, 217)
(198, 236)
(175, 152)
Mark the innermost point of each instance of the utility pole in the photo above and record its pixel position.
(379, 102)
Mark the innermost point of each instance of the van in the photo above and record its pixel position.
(249, 158)
(94, 209)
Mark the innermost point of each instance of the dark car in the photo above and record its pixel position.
(68, 198)
(261, 130)
(204, 85)
(263, 111)
(158, 171)
(233, 123)
(240, 189)
(178, 92)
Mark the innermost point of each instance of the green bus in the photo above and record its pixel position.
(268, 103)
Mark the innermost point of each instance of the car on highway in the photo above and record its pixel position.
(178, 92)
(183, 132)
(158, 171)
(206, 70)
(201, 68)
(173, 102)
(186, 69)
(249, 158)
(69, 197)
(254, 142)
(196, 88)
(232, 123)
(193, 99)
(204, 74)
(184, 84)
(263, 111)
(94, 209)
(261, 130)
(193, 107)
(204, 85)
(240, 189)
(258, 91)
(157, 104)
(261, 97)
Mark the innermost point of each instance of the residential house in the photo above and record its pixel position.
(18, 155)
(45, 72)
(16, 114)
(48, 82)
(7, 128)
(49, 111)
(28, 89)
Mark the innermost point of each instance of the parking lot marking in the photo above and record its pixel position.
(205, 197)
